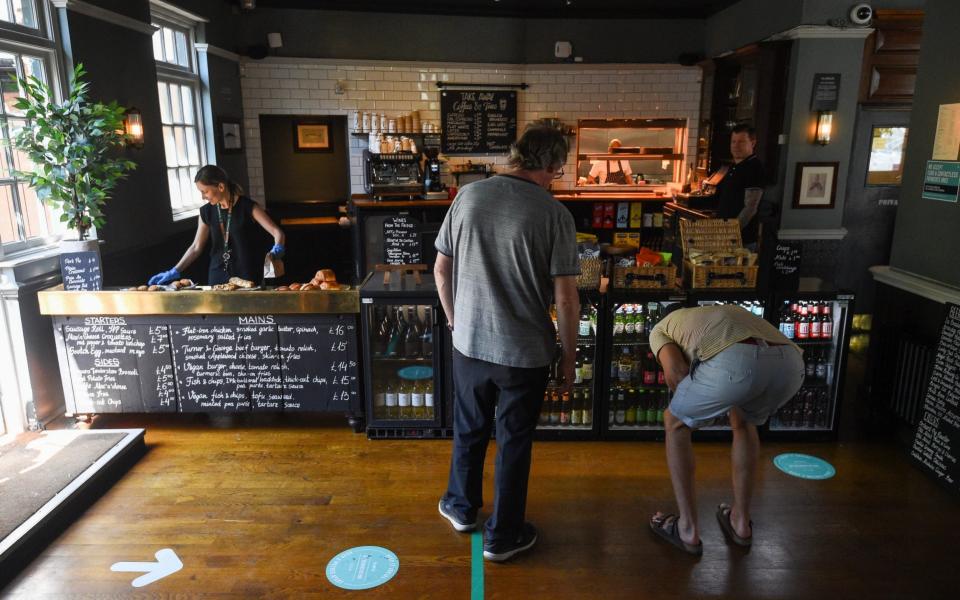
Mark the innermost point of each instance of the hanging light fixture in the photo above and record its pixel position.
(133, 127)
(824, 128)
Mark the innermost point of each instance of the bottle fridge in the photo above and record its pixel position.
(403, 357)
(634, 391)
(573, 415)
(819, 322)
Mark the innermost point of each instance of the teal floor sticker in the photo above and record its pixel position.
(804, 466)
(362, 568)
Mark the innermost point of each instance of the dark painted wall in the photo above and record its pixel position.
(926, 240)
(386, 36)
(291, 176)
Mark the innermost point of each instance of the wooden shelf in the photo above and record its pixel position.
(420, 133)
(625, 156)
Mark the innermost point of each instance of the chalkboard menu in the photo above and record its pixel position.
(477, 121)
(81, 271)
(786, 266)
(401, 241)
(209, 364)
(936, 445)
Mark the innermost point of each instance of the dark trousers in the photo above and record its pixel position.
(517, 394)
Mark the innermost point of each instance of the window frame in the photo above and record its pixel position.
(903, 154)
(161, 16)
(43, 44)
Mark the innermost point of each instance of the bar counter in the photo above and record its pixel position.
(57, 301)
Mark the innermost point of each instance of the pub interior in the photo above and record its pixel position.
(287, 433)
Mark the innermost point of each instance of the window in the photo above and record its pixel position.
(25, 221)
(178, 86)
(886, 155)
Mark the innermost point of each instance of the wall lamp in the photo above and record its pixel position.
(133, 127)
(824, 128)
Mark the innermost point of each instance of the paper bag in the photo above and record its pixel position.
(272, 267)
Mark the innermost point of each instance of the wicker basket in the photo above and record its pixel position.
(714, 235)
(589, 277)
(658, 277)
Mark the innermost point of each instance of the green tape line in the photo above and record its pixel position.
(476, 566)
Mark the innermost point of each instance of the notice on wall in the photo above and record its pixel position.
(946, 142)
(477, 121)
(936, 445)
(81, 271)
(941, 181)
(401, 241)
(826, 92)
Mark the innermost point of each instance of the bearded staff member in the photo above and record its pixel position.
(229, 220)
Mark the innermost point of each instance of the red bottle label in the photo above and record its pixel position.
(826, 331)
(803, 330)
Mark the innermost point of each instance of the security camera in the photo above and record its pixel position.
(861, 14)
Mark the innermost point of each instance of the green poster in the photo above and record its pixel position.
(941, 180)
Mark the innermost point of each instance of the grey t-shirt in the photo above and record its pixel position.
(508, 237)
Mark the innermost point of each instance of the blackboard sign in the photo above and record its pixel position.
(936, 444)
(116, 366)
(401, 241)
(786, 266)
(209, 364)
(826, 92)
(477, 121)
(81, 271)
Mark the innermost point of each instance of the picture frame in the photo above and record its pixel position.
(312, 136)
(231, 135)
(815, 185)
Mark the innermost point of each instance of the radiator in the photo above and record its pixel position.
(912, 372)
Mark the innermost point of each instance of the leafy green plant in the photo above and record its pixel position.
(71, 146)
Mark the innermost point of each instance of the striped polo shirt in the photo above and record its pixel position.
(706, 331)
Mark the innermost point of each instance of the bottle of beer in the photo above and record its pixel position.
(630, 412)
(380, 402)
(640, 328)
(585, 328)
(641, 399)
(649, 370)
(621, 408)
(625, 366)
(555, 407)
(629, 325)
(803, 324)
(618, 324)
(662, 406)
(587, 409)
(653, 399)
(820, 369)
(816, 323)
(565, 409)
(578, 368)
(587, 366)
(612, 407)
(576, 408)
(810, 364)
(787, 321)
(390, 400)
(826, 327)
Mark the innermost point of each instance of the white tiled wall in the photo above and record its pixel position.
(567, 92)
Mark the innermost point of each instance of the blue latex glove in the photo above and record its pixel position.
(278, 251)
(165, 277)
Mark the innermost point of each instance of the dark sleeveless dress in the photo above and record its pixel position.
(245, 260)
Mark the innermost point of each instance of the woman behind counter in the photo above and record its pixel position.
(228, 220)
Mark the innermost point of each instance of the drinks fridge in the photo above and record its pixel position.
(818, 322)
(573, 415)
(634, 390)
(403, 345)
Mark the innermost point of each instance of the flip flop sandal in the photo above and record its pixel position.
(666, 527)
(723, 518)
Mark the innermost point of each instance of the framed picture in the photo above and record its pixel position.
(312, 136)
(231, 138)
(815, 185)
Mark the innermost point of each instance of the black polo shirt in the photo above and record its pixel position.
(746, 173)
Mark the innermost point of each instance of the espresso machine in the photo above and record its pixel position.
(392, 174)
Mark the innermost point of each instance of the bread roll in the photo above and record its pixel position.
(326, 275)
(283, 288)
(141, 288)
(294, 286)
(241, 283)
(307, 287)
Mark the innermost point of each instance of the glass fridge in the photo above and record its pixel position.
(634, 391)
(573, 415)
(819, 322)
(401, 323)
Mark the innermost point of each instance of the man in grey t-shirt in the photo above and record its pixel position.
(505, 250)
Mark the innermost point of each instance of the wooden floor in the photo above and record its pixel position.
(259, 510)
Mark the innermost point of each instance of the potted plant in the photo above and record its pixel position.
(71, 146)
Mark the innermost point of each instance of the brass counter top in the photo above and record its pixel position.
(56, 301)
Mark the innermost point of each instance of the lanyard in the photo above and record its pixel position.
(225, 232)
